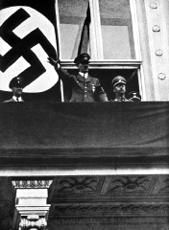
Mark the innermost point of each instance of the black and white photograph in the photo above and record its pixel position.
(84, 114)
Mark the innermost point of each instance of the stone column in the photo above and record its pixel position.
(31, 203)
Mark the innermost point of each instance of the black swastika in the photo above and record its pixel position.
(22, 47)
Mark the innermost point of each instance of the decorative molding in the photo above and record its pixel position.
(31, 203)
(129, 188)
(33, 221)
(31, 184)
(129, 184)
(121, 210)
(159, 52)
(164, 188)
(154, 5)
(156, 28)
(109, 223)
(162, 76)
(77, 184)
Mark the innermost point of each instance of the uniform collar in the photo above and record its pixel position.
(81, 76)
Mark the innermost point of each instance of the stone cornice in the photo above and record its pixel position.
(121, 210)
(121, 188)
(31, 184)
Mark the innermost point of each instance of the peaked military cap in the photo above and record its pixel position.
(15, 82)
(82, 58)
(118, 80)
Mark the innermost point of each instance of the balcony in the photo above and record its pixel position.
(39, 139)
(88, 135)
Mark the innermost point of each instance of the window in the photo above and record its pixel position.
(116, 28)
(74, 20)
(107, 30)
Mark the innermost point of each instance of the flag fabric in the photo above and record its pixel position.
(84, 38)
(27, 38)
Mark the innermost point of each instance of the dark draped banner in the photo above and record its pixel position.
(84, 133)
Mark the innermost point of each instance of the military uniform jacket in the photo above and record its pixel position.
(83, 89)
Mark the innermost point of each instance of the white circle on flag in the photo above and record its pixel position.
(36, 20)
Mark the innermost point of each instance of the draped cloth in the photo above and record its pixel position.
(88, 134)
(74, 18)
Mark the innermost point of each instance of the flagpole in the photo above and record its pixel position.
(58, 46)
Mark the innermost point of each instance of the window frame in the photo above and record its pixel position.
(97, 60)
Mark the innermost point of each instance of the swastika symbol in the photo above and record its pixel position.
(22, 47)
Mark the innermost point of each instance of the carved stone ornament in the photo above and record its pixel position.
(33, 222)
(162, 76)
(154, 5)
(159, 53)
(156, 28)
(129, 184)
(77, 184)
(109, 188)
(164, 187)
(33, 184)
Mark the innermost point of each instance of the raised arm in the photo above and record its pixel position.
(63, 74)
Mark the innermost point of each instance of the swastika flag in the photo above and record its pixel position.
(27, 38)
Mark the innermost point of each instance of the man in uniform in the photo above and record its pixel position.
(119, 89)
(84, 87)
(16, 86)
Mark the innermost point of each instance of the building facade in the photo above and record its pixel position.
(85, 166)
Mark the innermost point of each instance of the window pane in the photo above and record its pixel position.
(74, 19)
(117, 30)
